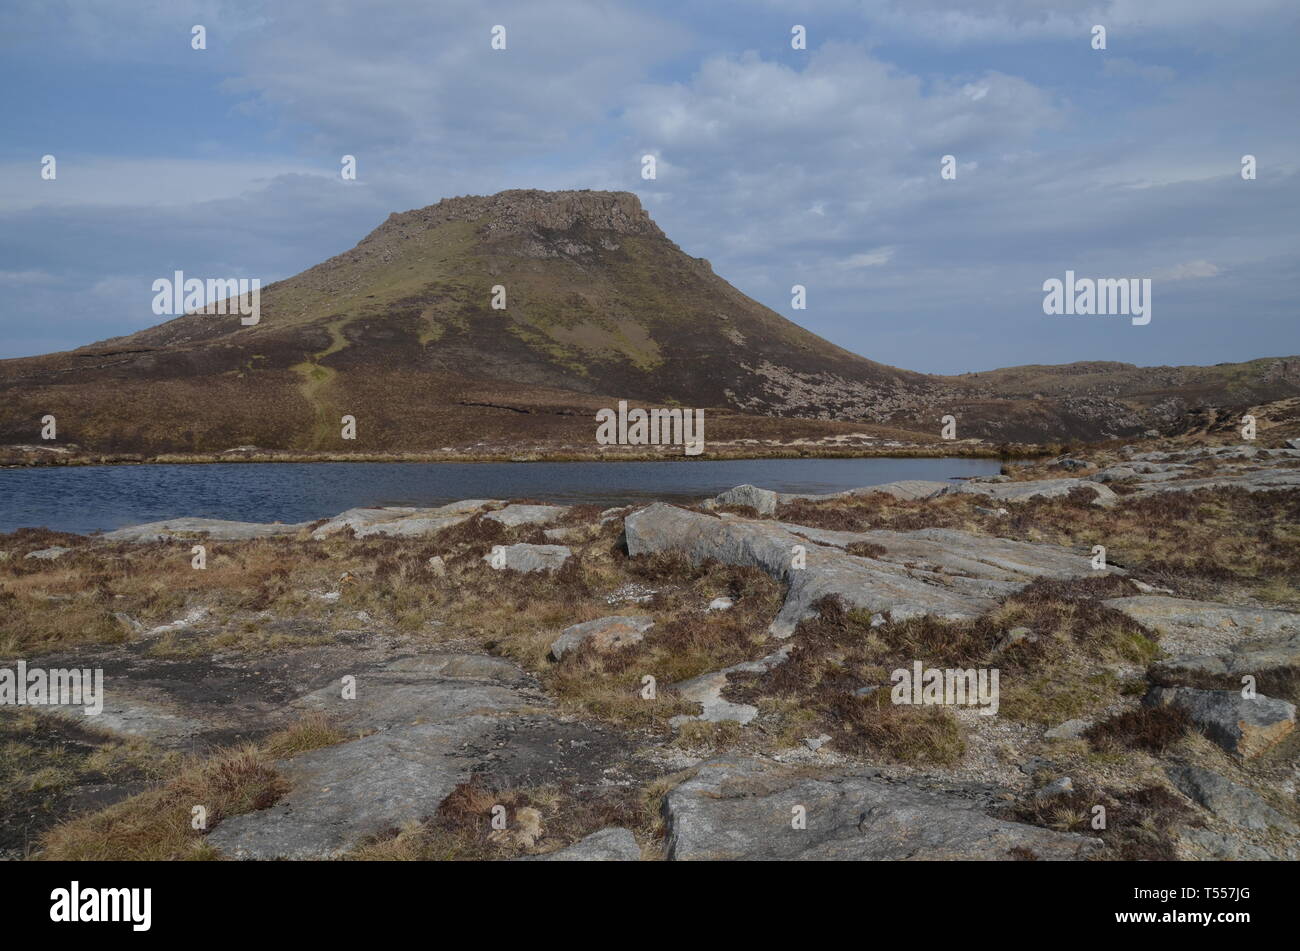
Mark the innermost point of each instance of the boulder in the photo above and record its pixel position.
(1244, 727)
(763, 501)
(605, 634)
(1207, 844)
(1256, 480)
(529, 558)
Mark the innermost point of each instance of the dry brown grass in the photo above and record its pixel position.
(1150, 729)
(1207, 543)
(1210, 543)
(311, 732)
(1140, 823)
(156, 825)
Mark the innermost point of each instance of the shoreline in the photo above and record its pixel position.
(58, 460)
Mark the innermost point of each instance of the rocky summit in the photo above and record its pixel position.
(739, 678)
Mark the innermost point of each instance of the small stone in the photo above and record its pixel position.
(1013, 637)
(1058, 787)
(1069, 730)
(721, 604)
(128, 623)
(437, 566)
(1035, 765)
(815, 743)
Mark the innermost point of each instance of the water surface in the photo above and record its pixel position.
(100, 498)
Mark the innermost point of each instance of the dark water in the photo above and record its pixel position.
(100, 498)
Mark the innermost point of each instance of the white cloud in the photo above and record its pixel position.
(1120, 66)
(1186, 271)
(960, 22)
(869, 259)
(135, 182)
(26, 278)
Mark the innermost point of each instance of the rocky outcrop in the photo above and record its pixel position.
(400, 521)
(1244, 727)
(343, 794)
(739, 808)
(1259, 480)
(512, 516)
(1230, 802)
(1187, 626)
(1265, 658)
(706, 690)
(765, 501)
(429, 720)
(936, 571)
(215, 529)
(1039, 489)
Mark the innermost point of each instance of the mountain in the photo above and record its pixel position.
(401, 333)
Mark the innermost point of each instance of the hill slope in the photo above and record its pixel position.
(400, 332)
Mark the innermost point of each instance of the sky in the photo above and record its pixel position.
(818, 166)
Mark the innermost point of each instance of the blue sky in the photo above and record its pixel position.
(816, 167)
